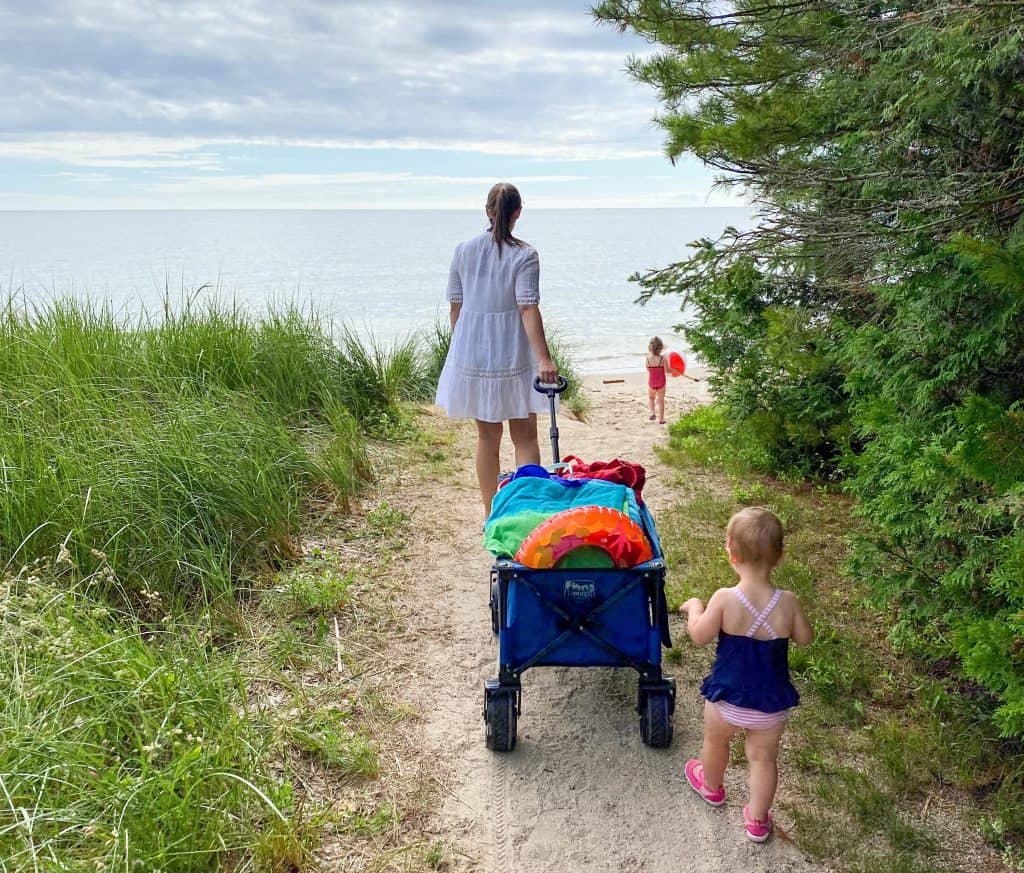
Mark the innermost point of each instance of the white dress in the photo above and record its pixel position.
(489, 371)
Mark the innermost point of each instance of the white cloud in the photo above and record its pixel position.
(170, 101)
(400, 71)
(131, 150)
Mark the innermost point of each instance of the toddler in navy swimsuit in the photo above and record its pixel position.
(748, 688)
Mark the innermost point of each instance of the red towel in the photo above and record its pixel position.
(621, 472)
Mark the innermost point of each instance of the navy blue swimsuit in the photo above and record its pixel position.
(752, 673)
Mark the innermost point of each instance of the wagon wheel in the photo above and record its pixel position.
(500, 718)
(656, 720)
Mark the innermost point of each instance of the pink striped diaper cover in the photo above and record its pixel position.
(752, 719)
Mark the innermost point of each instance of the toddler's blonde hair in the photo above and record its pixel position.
(755, 536)
(655, 345)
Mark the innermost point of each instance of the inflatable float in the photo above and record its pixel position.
(611, 531)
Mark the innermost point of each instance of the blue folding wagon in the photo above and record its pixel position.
(580, 618)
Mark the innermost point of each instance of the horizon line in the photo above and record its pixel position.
(357, 208)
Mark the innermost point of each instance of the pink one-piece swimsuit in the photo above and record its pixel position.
(656, 375)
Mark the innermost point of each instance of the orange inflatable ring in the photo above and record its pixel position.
(608, 529)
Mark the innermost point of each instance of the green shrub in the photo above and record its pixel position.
(871, 324)
(941, 477)
(772, 369)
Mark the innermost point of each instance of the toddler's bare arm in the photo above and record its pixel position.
(703, 624)
(802, 632)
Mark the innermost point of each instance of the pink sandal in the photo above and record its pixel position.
(694, 771)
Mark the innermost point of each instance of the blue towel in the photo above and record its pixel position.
(553, 495)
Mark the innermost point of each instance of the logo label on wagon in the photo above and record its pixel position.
(579, 589)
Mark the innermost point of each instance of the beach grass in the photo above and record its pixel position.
(155, 478)
(574, 399)
(123, 744)
(881, 748)
(182, 449)
(436, 340)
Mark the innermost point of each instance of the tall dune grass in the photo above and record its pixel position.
(437, 339)
(182, 449)
(146, 465)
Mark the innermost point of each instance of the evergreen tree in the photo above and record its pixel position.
(872, 324)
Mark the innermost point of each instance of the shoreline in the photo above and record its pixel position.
(635, 378)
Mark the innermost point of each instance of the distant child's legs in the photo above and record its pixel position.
(762, 756)
(488, 448)
(661, 404)
(651, 392)
(524, 437)
(715, 752)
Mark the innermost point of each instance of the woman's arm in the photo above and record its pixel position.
(534, 326)
(454, 292)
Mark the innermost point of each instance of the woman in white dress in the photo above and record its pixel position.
(498, 344)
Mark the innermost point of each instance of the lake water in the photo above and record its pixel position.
(382, 272)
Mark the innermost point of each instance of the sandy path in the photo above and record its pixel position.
(580, 792)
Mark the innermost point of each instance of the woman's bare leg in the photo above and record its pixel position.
(524, 437)
(488, 459)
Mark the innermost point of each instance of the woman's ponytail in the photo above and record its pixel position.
(503, 201)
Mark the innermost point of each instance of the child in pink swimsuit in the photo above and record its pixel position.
(749, 688)
(657, 367)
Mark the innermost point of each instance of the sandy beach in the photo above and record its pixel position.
(617, 391)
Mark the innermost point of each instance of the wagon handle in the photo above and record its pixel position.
(552, 389)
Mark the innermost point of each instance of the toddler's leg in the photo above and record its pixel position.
(715, 752)
(650, 401)
(762, 755)
(661, 405)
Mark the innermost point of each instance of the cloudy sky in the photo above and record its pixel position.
(325, 103)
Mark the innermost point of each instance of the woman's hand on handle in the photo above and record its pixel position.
(547, 370)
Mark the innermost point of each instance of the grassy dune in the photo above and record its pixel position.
(183, 449)
(169, 680)
(153, 477)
